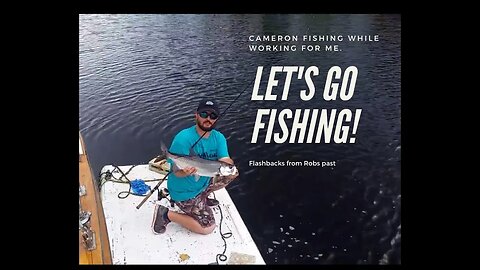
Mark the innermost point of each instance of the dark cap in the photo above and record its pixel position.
(208, 104)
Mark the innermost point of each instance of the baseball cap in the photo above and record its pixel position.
(208, 104)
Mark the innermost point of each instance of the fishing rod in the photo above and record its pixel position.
(163, 179)
(205, 132)
(153, 190)
(224, 111)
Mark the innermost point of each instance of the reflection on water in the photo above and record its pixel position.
(141, 77)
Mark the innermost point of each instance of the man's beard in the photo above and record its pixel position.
(202, 127)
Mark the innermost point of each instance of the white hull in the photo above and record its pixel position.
(133, 242)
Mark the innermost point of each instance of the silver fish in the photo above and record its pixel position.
(204, 167)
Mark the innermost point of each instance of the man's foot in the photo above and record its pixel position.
(212, 202)
(160, 219)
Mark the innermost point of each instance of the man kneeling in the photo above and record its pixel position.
(191, 193)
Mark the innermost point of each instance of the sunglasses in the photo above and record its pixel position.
(212, 115)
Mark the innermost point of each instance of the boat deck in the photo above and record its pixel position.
(133, 242)
(91, 203)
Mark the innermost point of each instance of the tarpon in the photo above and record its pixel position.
(205, 167)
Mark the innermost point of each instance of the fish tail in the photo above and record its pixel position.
(164, 149)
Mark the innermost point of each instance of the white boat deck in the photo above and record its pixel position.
(133, 242)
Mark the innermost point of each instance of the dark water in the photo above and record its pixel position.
(141, 77)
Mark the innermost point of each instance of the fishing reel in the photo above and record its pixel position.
(164, 193)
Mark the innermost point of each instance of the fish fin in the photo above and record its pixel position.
(191, 152)
(197, 177)
(175, 167)
(163, 147)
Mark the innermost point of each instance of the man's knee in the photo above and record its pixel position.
(225, 180)
(208, 230)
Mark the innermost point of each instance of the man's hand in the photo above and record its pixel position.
(226, 179)
(187, 171)
(227, 160)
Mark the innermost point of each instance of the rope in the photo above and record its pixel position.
(110, 178)
(221, 256)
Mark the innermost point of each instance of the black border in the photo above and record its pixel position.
(64, 111)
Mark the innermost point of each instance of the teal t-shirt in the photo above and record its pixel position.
(212, 148)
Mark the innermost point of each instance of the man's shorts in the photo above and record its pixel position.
(197, 207)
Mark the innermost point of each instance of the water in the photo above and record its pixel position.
(141, 77)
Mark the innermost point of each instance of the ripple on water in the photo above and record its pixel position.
(142, 75)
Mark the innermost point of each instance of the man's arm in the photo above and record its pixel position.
(225, 157)
(230, 177)
(227, 160)
(180, 146)
(185, 172)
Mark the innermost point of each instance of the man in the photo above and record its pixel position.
(190, 194)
